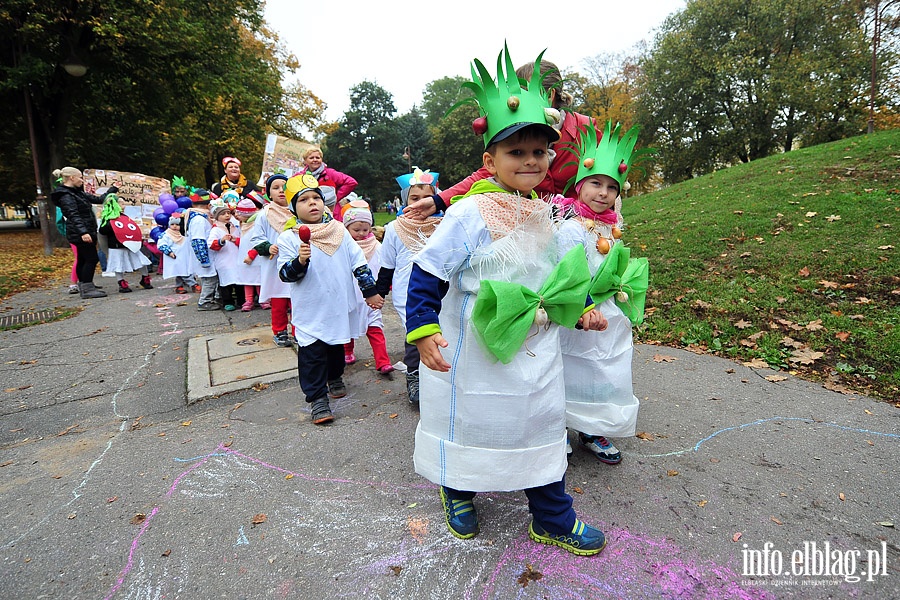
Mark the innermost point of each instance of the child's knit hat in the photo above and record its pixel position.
(246, 207)
(175, 219)
(216, 207)
(272, 179)
(357, 211)
(201, 196)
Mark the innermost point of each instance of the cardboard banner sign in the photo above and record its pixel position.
(139, 192)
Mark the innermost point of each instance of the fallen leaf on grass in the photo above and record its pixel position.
(643, 435)
(529, 574)
(757, 363)
(863, 300)
(138, 519)
(811, 214)
(805, 356)
(815, 325)
(742, 324)
(775, 378)
(833, 218)
(888, 247)
(258, 519)
(660, 358)
(828, 285)
(804, 272)
(842, 335)
(701, 304)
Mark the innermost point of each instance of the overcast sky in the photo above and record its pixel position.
(402, 44)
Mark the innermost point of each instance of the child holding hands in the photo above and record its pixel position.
(599, 397)
(492, 397)
(403, 237)
(174, 245)
(320, 272)
(358, 220)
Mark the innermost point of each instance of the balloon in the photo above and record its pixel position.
(169, 205)
(155, 233)
(162, 220)
(165, 196)
(158, 211)
(184, 202)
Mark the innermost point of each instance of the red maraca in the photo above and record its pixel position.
(304, 233)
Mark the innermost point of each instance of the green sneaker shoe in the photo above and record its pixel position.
(583, 541)
(462, 520)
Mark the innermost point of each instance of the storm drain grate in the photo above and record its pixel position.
(26, 318)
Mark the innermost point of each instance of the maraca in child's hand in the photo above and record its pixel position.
(304, 233)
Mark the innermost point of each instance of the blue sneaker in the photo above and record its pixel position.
(602, 448)
(583, 541)
(462, 520)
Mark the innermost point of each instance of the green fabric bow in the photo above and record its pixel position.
(621, 273)
(505, 312)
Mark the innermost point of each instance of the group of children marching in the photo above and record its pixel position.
(518, 308)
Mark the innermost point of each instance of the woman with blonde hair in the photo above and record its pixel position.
(81, 225)
(335, 186)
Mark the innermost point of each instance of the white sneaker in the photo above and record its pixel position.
(568, 447)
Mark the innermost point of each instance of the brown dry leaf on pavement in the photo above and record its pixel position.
(663, 358)
(138, 519)
(395, 569)
(671, 472)
(529, 574)
(775, 378)
(776, 521)
(643, 435)
(736, 536)
(258, 519)
(418, 528)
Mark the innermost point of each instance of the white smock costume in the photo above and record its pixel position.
(397, 251)
(225, 260)
(485, 425)
(181, 265)
(270, 285)
(247, 274)
(597, 364)
(369, 317)
(328, 291)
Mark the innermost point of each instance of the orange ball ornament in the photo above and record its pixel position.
(617, 233)
(603, 245)
(589, 163)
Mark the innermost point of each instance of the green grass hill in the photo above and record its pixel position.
(789, 262)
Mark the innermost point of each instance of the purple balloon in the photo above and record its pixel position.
(156, 232)
(169, 206)
(158, 211)
(165, 196)
(184, 202)
(162, 220)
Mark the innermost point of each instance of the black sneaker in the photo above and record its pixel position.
(321, 412)
(282, 339)
(584, 540)
(461, 517)
(412, 386)
(337, 389)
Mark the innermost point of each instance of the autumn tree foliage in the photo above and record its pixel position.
(171, 86)
(731, 81)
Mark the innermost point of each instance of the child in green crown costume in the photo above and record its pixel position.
(599, 398)
(492, 397)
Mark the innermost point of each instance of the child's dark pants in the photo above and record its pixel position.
(318, 364)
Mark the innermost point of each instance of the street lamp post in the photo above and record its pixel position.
(876, 37)
(408, 158)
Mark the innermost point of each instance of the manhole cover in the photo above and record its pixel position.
(248, 342)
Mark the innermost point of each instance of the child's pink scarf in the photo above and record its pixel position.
(572, 205)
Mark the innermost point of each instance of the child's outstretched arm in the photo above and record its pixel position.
(423, 306)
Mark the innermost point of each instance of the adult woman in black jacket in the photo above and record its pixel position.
(81, 225)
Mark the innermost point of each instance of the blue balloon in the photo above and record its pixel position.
(156, 232)
(162, 220)
(184, 202)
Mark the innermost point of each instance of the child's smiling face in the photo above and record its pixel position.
(599, 192)
(520, 162)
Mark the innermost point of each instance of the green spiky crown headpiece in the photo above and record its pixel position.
(609, 155)
(180, 182)
(509, 103)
